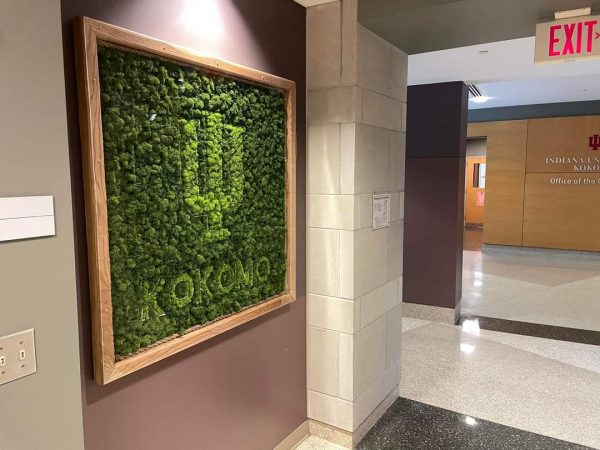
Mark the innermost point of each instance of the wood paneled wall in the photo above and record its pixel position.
(565, 216)
(504, 197)
(566, 137)
(543, 182)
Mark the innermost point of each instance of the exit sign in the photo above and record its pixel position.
(568, 40)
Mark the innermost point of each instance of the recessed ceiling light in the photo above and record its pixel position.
(483, 52)
(481, 99)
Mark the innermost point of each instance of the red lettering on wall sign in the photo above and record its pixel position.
(568, 48)
(569, 38)
(590, 27)
(579, 36)
(594, 142)
(553, 40)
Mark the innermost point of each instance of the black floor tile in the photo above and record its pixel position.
(413, 425)
(535, 329)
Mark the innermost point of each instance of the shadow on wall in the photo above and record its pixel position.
(247, 387)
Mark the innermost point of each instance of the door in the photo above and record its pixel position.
(475, 190)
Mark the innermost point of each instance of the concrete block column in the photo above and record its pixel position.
(356, 147)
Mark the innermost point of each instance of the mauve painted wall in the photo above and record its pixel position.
(433, 231)
(245, 389)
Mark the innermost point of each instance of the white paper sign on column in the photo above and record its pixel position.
(26, 217)
(381, 211)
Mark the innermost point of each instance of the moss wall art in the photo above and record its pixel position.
(195, 169)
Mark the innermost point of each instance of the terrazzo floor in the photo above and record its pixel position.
(315, 443)
(528, 285)
(538, 385)
(403, 425)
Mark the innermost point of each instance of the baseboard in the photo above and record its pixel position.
(379, 411)
(431, 313)
(330, 433)
(580, 255)
(294, 438)
(345, 438)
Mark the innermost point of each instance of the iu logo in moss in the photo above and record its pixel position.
(213, 161)
(196, 194)
(594, 142)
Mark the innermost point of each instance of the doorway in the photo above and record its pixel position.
(475, 177)
(475, 191)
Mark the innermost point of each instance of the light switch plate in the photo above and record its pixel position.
(17, 356)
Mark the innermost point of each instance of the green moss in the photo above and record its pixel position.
(195, 177)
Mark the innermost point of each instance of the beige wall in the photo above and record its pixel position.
(37, 277)
(356, 147)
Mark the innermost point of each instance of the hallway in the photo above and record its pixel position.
(299, 225)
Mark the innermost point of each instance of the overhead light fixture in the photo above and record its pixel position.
(483, 52)
(476, 95)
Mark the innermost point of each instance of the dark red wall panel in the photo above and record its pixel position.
(436, 121)
(434, 193)
(433, 231)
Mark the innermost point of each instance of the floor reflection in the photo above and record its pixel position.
(533, 285)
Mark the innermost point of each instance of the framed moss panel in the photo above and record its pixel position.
(189, 175)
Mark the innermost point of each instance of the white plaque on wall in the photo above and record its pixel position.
(26, 217)
(381, 211)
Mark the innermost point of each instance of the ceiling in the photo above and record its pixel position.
(506, 73)
(417, 26)
(504, 61)
(485, 42)
(539, 91)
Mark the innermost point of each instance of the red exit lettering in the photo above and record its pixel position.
(575, 34)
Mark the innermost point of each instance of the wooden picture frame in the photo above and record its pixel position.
(88, 32)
